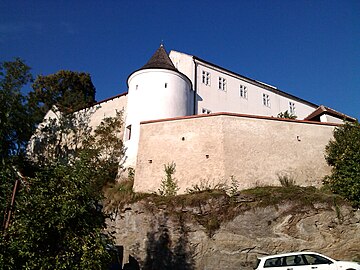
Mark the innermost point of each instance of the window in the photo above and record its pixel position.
(136, 87)
(316, 259)
(266, 100)
(243, 91)
(292, 107)
(274, 262)
(294, 260)
(166, 85)
(205, 77)
(128, 133)
(284, 262)
(206, 111)
(299, 260)
(222, 84)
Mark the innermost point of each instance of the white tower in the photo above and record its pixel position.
(155, 91)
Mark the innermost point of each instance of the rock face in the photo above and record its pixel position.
(156, 237)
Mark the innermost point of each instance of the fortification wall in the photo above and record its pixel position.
(108, 108)
(209, 149)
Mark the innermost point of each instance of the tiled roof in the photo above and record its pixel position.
(271, 118)
(326, 110)
(161, 60)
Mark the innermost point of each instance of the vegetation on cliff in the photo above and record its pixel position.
(211, 207)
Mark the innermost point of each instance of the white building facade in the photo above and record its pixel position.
(220, 90)
(215, 123)
(178, 85)
(157, 90)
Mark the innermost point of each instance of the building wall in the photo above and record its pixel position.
(331, 119)
(108, 108)
(184, 63)
(209, 149)
(260, 150)
(87, 120)
(154, 94)
(211, 98)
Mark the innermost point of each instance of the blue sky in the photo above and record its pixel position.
(310, 49)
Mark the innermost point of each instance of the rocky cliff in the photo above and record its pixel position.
(230, 233)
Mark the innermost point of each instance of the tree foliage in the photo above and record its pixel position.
(64, 136)
(169, 186)
(60, 137)
(68, 90)
(286, 115)
(16, 123)
(343, 154)
(58, 221)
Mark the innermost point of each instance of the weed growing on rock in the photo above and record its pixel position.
(286, 180)
(121, 193)
(205, 185)
(234, 187)
(169, 186)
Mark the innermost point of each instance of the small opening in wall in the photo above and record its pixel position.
(207, 156)
(128, 132)
(137, 87)
(298, 138)
(166, 85)
(183, 138)
(150, 160)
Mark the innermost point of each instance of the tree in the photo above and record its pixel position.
(68, 90)
(16, 125)
(169, 186)
(60, 137)
(286, 115)
(343, 154)
(59, 222)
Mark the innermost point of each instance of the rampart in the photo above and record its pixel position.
(209, 149)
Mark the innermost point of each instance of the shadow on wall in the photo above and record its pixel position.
(161, 254)
(132, 264)
(117, 253)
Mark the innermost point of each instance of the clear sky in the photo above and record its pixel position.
(310, 49)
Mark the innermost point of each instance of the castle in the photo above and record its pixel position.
(215, 124)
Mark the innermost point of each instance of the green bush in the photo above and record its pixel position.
(286, 115)
(343, 155)
(169, 185)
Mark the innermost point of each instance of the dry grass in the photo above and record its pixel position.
(302, 196)
(118, 194)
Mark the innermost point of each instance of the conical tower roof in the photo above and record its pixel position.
(160, 59)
